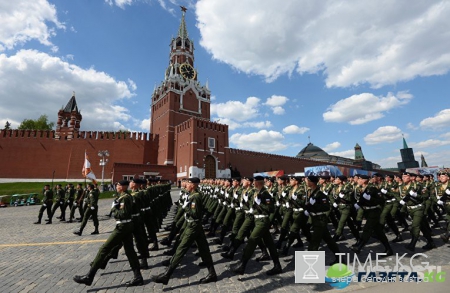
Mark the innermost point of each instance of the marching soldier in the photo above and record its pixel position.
(370, 202)
(442, 191)
(58, 203)
(122, 235)
(91, 210)
(193, 208)
(77, 203)
(389, 190)
(47, 202)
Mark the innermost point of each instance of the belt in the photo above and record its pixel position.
(238, 209)
(123, 221)
(318, 214)
(260, 216)
(343, 204)
(370, 208)
(298, 210)
(414, 207)
(136, 215)
(248, 212)
(189, 220)
(146, 209)
(390, 200)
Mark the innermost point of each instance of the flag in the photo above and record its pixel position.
(86, 171)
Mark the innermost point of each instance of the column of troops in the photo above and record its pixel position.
(244, 210)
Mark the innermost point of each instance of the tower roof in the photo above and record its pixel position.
(71, 105)
(405, 146)
(182, 30)
(312, 151)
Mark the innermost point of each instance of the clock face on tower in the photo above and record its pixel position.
(187, 71)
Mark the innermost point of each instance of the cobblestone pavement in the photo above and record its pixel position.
(44, 258)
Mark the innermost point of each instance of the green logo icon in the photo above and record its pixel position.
(338, 276)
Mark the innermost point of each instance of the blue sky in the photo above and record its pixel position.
(339, 72)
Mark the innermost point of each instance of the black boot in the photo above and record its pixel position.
(95, 231)
(264, 256)
(399, 238)
(285, 251)
(223, 232)
(358, 241)
(77, 232)
(164, 277)
(387, 247)
(143, 265)
(430, 244)
(155, 246)
(283, 235)
(212, 229)
(87, 279)
(211, 277)
(166, 241)
(335, 237)
(445, 237)
(137, 280)
(239, 268)
(412, 245)
(230, 253)
(276, 269)
(38, 222)
(359, 247)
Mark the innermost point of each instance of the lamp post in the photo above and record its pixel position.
(103, 162)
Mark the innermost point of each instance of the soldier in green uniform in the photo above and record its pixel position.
(442, 191)
(68, 200)
(122, 235)
(413, 198)
(77, 203)
(389, 190)
(233, 202)
(371, 203)
(194, 232)
(261, 206)
(47, 202)
(317, 207)
(58, 203)
(91, 210)
(285, 209)
(343, 201)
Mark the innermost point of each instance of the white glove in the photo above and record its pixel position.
(366, 196)
(258, 201)
(185, 204)
(312, 201)
(92, 208)
(245, 197)
(447, 191)
(113, 204)
(307, 213)
(287, 205)
(412, 193)
(283, 194)
(235, 195)
(402, 202)
(440, 202)
(220, 201)
(335, 205)
(44, 204)
(224, 203)
(393, 199)
(384, 191)
(294, 197)
(341, 195)
(251, 210)
(357, 207)
(226, 195)
(222, 192)
(232, 205)
(74, 204)
(61, 202)
(277, 203)
(241, 205)
(68, 201)
(326, 193)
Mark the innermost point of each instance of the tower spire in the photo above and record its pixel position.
(405, 146)
(182, 31)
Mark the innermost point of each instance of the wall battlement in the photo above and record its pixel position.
(97, 135)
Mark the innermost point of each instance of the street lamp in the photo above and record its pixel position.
(103, 162)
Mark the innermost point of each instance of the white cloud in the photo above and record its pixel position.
(365, 107)
(25, 20)
(445, 135)
(232, 125)
(132, 85)
(411, 126)
(237, 110)
(345, 154)
(50, 82)
(333, 146)
(275, 101)
(294, 129)
(145, 125)
(121, 3)
(430, 143)
(352, 42)
(440, 120)
(262, 141)
(384, 134)
(389, 162)
(278, 110)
